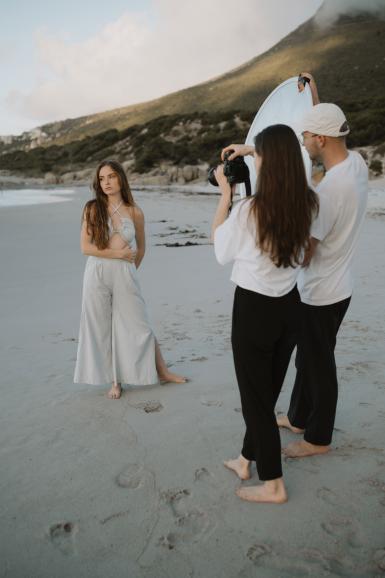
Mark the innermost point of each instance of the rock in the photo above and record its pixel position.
(188, 173)
(50, 179)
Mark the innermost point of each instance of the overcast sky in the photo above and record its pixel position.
(62, 59)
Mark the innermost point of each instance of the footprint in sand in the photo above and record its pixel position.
(257, 551)
(136, 502)
(62, 536)
(327, 495)
(168, 541)
(203, 358)
(173, 497)
(211, 402)
(201, 474)
(337, 526)
(192, 522)
(134, 476)
(150, 406)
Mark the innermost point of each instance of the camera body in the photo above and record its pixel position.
(236, 170)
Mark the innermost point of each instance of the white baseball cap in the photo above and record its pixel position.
(325, 119)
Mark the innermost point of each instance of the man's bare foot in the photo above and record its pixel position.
(115, 391)
(303, 449)
(169, 377)
(283, 421)
(271, 491)
(241, 466)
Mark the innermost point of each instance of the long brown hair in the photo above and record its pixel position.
(284, 205)
(95, 211)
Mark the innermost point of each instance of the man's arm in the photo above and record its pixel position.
(240, 150)
(313, 87)
(310, 251)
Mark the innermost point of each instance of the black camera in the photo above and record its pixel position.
(236, 171)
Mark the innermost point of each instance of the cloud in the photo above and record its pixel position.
(143, 56)
(332, 9)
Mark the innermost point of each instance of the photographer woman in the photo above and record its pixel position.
(266, 236)
(116, 341)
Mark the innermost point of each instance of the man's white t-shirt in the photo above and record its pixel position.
(343, 195)
(236, 240)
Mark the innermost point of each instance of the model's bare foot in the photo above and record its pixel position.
(303, 449)
(115, 391)
(168, 377)
(272, 491)
(283, 421)
(241, 466)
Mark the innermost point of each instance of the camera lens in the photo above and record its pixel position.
(211, 177)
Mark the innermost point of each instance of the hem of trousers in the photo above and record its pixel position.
(270, 478)
(316, 443)
(295, 423)
(266, 478)
(119, 380)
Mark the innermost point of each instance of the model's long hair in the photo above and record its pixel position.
(284, 205)
(95, 212)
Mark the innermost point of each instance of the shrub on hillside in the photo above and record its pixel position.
(376, 167)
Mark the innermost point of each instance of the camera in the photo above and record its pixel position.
(236, 171)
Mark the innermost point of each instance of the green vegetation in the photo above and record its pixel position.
(192, 125)
(376, 167)
(366, 118)
(177, 139)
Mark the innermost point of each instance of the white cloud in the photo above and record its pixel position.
(138, 57)
(332, 9)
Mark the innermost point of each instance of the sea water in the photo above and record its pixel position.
(23, 197)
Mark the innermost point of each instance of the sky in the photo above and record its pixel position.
(62, 60)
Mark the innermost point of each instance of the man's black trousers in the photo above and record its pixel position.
(314, 398)
(264, 334)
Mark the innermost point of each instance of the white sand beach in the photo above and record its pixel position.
(135, 487)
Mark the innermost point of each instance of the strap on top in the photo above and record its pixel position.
(116, 209)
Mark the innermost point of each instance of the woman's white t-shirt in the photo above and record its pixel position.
(236, 240)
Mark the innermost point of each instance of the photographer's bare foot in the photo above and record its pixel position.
(241, 466)
(115, 391)
(304, 449)
(172, 378)
(283, 421)
(272, 491)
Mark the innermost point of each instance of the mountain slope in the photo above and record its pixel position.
(189, 127)
(347, 60)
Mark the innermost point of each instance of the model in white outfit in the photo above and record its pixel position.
(116, 341)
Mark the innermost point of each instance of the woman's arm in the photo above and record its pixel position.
(224, 202)
(140, 236)
(88, 248)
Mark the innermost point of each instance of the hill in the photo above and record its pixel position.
(347, 59)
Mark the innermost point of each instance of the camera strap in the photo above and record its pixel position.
(248, 186)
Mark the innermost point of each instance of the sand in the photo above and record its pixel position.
(136, 488)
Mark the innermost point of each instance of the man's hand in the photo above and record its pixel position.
(312, 85)
(239, 150)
